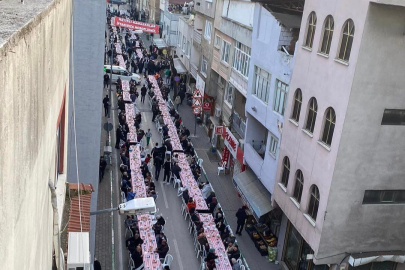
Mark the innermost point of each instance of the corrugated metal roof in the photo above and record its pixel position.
(74, 213)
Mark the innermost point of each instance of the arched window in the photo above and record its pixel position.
(311, 117)
(309, 39)
(313, 202)
(297, 105)
(286, 171)
(328, 126)
(347, 41)
(299, 184)
(327, 35)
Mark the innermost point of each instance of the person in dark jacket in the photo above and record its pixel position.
(176, 170)
(158, 166)
(106, 102)
(97, 264)
(241, 216)
(167, 169)
(143, 94)
(118, 136)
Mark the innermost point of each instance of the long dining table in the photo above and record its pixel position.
(145, 222)
(186, 176)
(214, 241)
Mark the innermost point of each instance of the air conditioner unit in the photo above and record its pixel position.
(218, 112)
(78, 251)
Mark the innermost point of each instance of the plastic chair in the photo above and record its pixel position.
(176, 182)
(222, 168)
(168, 260)
(242, 267)
(200, 162)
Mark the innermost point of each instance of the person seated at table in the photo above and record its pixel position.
(196, 173)
(209, 198)
(177, 123)
(175, 158)
(218, 215)
(160, 237)
(225, 234)
(193, 216)
(160, 220)
(168, 145)
(137, 256)
(185, 132)
(147, 159)
(166, 267)
(130, 194)
(176, 116)
(188, 148)
(124, 159)
(162, 249)
(235, 264)
(185, 195)
(191, 203)
(172, 112)
(234, 253)
(134, 241)
(220, 227)
(124, 186)
(130, 221)
(210, 259)
(202, 239)
(142, 153)
(199, 225)
(157, 228)
(176, 170)
(213, 204)
(230, 239)
(145, 169)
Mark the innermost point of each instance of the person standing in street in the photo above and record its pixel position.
(106, 80)
(118, 136)
(103, 165)
(177, 101)
(158, 166)
(97, 264)
(143, 94)
(148, 135)
(241, 216)
(167, 168)
(106, 102)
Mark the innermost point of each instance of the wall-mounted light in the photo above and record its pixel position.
(254, 109)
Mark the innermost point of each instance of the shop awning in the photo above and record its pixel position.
(178, 65)
(253, 192)
(160, 43)
(369, 257)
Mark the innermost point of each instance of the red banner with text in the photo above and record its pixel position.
(135, 25)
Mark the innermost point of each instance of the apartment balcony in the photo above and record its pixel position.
(238, 124)
(193, 70)
(252, 157)
(197, 36)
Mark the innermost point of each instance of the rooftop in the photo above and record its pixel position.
(14, 15)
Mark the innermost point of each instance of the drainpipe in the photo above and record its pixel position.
(56, 232)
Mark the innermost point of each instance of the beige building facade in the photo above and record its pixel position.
(34, 81)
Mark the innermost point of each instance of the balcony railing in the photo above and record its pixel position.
(197, 36)
(193, 70)
(238, 124)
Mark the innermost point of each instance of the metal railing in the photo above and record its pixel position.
(238, 124)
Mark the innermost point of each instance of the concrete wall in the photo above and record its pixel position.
(370, 155)
(89, 26)
(239, 11)
(206, 7)
(330, 83)
(34, 75)
(266, 56)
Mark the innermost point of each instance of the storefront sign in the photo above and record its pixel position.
(207, 106)
(231, 142)
(219, 130)
(135, 25)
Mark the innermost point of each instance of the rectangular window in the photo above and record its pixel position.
(184, 44)
(217, 42)
(280, 97)
(188, 48)
(226, 46)
(229, 95)
(393, 117)
(204, 65)
(261, 88)
(384, 197)
(208, 28)
(273, 145)
(241, 59)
